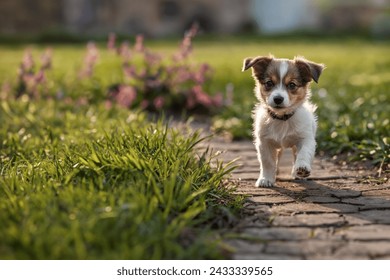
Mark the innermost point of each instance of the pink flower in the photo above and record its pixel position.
(129, 71)
(126, 96)
(92, 51)
(159, 102)
(200, 76)
(139, 43)
(186, 45)
(185, 49)
(202, 97)
(194, 29)
(124, 51)
(90, 60)
(29, 79)
(111, 42)
(28, 61)
(40, 77)
(151, 58)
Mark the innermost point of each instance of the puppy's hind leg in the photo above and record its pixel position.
(294, 153)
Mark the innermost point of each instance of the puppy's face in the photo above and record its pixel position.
(282, 83)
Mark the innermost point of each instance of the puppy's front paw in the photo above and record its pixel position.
(263, 182)
(302, 172)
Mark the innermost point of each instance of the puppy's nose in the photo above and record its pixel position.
(278, 100)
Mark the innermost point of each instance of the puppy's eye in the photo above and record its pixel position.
(291, 86)
(268, 85)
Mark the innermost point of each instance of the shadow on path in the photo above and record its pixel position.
(307, 219)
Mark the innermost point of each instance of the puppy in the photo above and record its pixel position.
(284, 116)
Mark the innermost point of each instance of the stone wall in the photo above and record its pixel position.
(98, 17)
(28, 16)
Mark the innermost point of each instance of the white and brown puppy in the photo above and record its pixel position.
(284, 118)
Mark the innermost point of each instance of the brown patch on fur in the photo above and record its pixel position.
(264, 95)
(271, 74)
(298, 96)
(293, 75)
(309, 70)
(273, 77)
(259, 63)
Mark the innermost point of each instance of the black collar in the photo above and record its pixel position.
(284, 117)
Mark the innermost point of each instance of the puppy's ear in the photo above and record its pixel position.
(259, 62)
(309, 70)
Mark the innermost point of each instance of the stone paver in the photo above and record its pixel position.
(333, 215)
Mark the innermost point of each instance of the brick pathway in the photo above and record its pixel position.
(334, 216)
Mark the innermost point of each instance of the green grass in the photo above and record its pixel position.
(91, 183)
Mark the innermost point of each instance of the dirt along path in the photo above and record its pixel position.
(335, 214)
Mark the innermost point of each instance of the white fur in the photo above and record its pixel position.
(283, 70)
(273, 135)
(279, 90)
